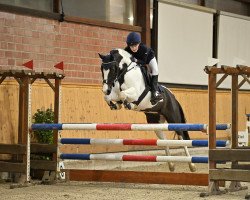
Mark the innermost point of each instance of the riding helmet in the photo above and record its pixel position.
(133, 38)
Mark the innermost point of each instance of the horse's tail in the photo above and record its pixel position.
(183, 120)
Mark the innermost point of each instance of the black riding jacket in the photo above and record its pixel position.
(144, 54)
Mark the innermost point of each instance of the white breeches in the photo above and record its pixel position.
(153, 67)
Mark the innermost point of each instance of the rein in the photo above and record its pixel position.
(119, 76)
(124, 72)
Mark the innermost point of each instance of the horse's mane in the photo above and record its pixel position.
(126, 55)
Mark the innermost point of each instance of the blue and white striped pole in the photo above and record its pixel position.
(125, 127)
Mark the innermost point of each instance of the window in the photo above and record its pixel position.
(44, 5)
(118, 11)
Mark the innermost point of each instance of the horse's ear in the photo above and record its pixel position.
(101, 56)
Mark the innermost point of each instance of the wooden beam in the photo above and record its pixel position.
(43, 148)
(32, 74)
(229, 155)
(12, 167)
(227, 70)
(56, 6)
(2, 79)
(143, 20)
(234, 107)
(154, 34)
(57, 117)
(221, 80)
(43, 164)
(26, 109)
(241, 166)
(212, 114)
(229, 175)
(12, 149)
(138, 177)
(50, 84)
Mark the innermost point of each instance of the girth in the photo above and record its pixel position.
(147, 87)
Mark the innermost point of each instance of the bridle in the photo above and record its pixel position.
(106, 66)
(117, 75)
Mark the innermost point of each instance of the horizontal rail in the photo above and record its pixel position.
(138, 177)
(126, 127)
(138, 158)
(12, 149)
(149, 142)
(12, 167)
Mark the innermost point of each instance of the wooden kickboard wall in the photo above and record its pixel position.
(85, 104)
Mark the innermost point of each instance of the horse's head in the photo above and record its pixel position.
(109, 68)
(111, 65)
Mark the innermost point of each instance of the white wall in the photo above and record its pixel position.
(234, 42)
(184, 43)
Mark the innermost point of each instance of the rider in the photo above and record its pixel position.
(144, 56)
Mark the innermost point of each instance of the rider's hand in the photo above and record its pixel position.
(133, 59)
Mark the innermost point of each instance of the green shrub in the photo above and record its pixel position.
(43, 136)
(47, 116)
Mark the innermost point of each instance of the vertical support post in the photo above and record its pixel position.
(19, 158)
(56, 6)
(20, 113)
(213, 187)
(212, 114)
(26, 123)
(234, 114)
(154, 33)
(143, 20)
(57, 105)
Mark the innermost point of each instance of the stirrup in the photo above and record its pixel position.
(156, 96)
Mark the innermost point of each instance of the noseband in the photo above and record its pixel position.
(107, 66)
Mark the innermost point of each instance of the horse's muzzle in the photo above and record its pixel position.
(106, 89)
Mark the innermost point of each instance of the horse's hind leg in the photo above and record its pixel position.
(192, 166)
(178, 119)
(156, 118)
(162, 136)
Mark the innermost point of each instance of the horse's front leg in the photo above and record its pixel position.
(127, 96)
(113, 106)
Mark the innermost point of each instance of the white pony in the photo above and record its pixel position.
(125, 84)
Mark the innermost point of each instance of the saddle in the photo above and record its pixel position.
(147, 78)
(147, 81)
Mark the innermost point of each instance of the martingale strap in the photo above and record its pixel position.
(141, 97)
(123, 72)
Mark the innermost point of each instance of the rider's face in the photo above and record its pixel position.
(134, 47)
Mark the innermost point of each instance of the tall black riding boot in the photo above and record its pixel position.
(156, 95)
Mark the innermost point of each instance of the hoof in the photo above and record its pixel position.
(192, 167)
(127, 105)
(171, 166)
(113, 107)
